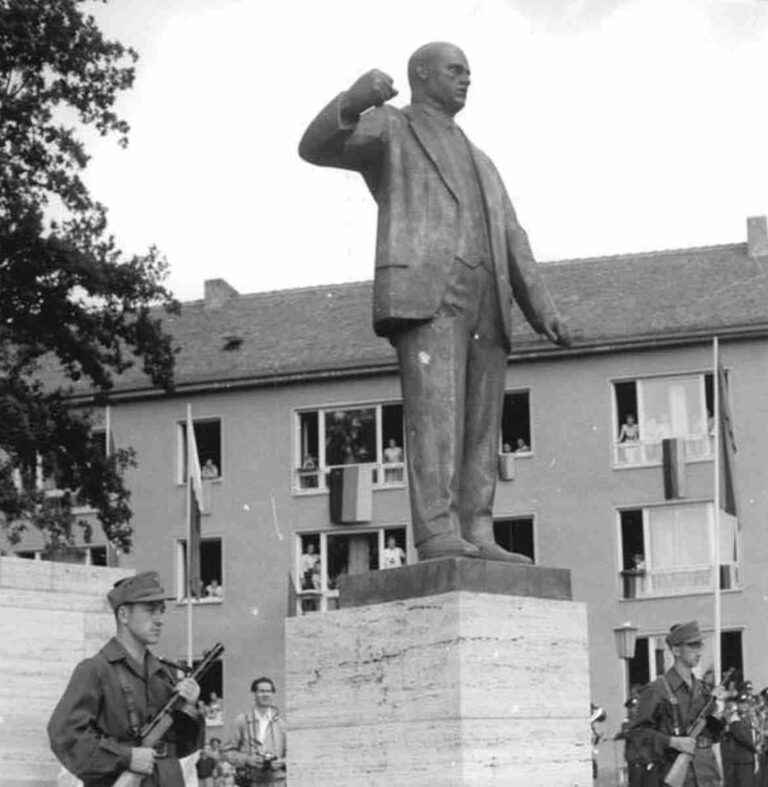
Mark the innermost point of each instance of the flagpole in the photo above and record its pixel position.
(716, 496)
(107, 428)
(188, 426)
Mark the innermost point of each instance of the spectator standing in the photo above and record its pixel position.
(741, 757)
(213, 589)
(206, 767)
(392, 555)
(393, 455)
(215, 712)
(309, 568)
(258, 748)
(209, 469)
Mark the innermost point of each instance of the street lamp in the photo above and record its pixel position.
(626, 638)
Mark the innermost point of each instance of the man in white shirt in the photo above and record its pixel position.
(257, 749)
(392, 556)
(309, 568)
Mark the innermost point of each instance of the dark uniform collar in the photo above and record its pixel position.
(675, 680)
(115, 651)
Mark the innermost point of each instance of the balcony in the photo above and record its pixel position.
(677, 581)
(385, 474)
(649, 452)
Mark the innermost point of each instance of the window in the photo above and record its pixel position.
(322, 559)
(328, 438)
(208, 440)
(653, 657)
(516, 423)
(211, 574)
(85, 556)
(667, 550)
(515, 535)
(211, 692)
(655, 408)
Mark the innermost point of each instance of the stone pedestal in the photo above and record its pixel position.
(471, 673)
(52, 615)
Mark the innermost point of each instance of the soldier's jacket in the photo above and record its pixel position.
(90, 730)
(657, 721)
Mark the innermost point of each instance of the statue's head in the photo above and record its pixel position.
(438, 74)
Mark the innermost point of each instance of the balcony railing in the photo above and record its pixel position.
(646, 583)
(649, 452)
(384, 474)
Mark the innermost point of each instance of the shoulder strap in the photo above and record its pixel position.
(677, 721)
(134, 721)
(250, 731)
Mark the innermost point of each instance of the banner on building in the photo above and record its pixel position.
(673, 466)
(350, 494)
(195, 484)
(727, 446)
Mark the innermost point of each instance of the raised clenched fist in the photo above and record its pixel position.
(372, 89)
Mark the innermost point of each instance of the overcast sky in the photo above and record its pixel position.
(617, 125)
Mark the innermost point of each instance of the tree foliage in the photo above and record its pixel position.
(73, 309)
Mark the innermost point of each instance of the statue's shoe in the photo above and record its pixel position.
(446, 546)
(489, 550)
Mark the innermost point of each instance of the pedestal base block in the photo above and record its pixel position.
(456, 688)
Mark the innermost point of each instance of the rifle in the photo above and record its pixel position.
(153, 731)
(679, 769)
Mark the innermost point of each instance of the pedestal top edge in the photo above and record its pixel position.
(433, 577)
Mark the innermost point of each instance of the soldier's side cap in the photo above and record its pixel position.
(684, 634)
(140, 587)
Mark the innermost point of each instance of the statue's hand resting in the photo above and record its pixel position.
(556, 330)
(372, 89)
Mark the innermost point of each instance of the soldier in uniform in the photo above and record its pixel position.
(667, 708)
(94, 729)
(742, 770)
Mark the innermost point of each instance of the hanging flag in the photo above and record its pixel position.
(673, 467)
(350, 494)
(727, 443)
(195, 482)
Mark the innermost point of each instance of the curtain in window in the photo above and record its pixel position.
(680, 554)
(671, 408)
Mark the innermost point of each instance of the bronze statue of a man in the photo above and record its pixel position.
(450, 256)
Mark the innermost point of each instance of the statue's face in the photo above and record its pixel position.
(447, 78)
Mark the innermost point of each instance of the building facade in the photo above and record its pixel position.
(284, 387)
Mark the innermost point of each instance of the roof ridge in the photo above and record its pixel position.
(262, 293)
(561, 262)
(651, 253)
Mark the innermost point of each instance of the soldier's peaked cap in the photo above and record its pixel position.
(684, 633)
(140, 587)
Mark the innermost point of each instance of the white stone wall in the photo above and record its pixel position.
(454, 689)
(52, 615)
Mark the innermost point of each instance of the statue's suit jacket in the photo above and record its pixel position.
(400, 154)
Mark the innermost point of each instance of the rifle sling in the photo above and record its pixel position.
(675, 703)
(134, 720)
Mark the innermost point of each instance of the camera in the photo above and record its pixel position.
(267, 766)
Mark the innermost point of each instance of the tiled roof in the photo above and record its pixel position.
(635, 298)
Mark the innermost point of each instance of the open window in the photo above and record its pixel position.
(515, 535)
(211, 573)
(516, 423)
(209, 454)
(369, 435)
(323, 558)
(211, 693)
(668, 550)
(651, 409)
